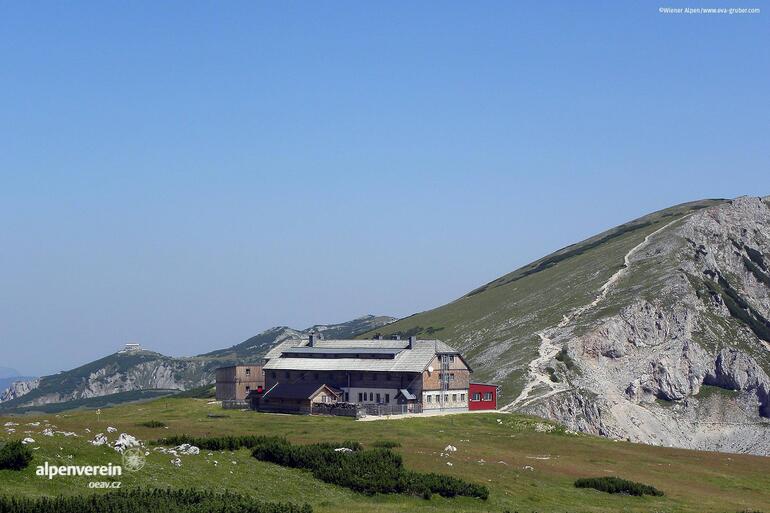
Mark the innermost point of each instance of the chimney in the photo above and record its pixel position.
(412, 340)
(395, 337)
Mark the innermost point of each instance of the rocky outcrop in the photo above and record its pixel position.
(735, 370)
(684, 361)
(18, 389)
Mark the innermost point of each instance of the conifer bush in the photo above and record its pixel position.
(148, 501)
(348, 464)
(617, 485)
(15, 456)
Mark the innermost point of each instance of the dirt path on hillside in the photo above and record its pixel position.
(548, 349)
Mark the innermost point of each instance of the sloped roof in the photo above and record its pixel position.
(404, 360)
(296, 391)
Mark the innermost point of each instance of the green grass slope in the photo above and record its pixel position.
(526, 466)
(495, 325)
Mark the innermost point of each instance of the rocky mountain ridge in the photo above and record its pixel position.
(655, 331)
(146, 370)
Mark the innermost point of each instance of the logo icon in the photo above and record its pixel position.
(133, 459)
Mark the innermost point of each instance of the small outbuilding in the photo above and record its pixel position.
(234, 383)
(293, 397)
(482, 396)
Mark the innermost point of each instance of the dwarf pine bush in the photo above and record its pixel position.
(148, 501)
(367, 471)
(617, 485)
(14, 456)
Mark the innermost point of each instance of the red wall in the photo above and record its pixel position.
(481, 389)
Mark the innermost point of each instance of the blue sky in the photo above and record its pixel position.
(188, 174)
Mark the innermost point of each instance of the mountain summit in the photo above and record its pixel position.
(655, 331)
(136, 369)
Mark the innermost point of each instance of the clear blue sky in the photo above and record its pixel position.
(187, 174)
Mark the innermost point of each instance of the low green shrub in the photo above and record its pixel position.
(152, 424)
(386, 444)
(15, 456)
(148, 501)
(617, 485)
(369, 471)
(563, 357)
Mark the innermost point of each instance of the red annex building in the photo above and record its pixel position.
(482, 396)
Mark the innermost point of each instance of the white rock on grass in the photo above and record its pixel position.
(450, 448)
(9, 424)
(28, 440)
(48, 432)
(343, 449)
(188, 449)
(125, 441)
(99, 439)
(111, 429)
(177, 462)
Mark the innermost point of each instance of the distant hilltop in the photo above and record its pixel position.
(131, 347)
(136, 368)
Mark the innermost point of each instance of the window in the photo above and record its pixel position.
(248, 371)
(378, 398)
(487, 396)
(451, 359)
(476, 396)
(360, 397)
(454, 398)
(429, 398)
(446, 398)
(451, 376)
(462, 397)
(387, 398)
(371, 396)
(347, 397)
(248, 388)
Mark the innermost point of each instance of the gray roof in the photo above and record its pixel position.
(404, 360)
(407, 394)
(342, 350)
(295, 391)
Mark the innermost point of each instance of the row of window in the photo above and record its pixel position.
(342, 377)
(373, 397)
(477, 396)
(429, 398)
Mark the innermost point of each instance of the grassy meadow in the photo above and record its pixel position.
(525, 468)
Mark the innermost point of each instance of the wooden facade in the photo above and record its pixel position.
(235, 382)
